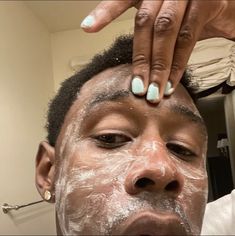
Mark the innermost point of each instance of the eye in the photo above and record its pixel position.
(180, 151)
(112, 140)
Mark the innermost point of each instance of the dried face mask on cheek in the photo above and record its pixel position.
(89, 184)
(195, 190)
(66, 149)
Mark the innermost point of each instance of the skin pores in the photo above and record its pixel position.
(95, 187)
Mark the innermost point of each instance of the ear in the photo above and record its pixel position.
(45, 169)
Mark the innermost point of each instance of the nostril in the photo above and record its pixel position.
(144, 182)
(172, 186)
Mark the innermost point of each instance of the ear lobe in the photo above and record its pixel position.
(45, 169)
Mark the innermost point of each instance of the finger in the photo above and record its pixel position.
(192, 26)
(104, 13)
(142, 45)
(166, 29)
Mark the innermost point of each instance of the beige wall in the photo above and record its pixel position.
(25, 86)
(32, 64)
(68, 45)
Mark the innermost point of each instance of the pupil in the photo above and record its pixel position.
(108, 138)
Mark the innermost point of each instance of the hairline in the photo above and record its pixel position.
(119, 54)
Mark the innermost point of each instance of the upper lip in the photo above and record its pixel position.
(151, 223)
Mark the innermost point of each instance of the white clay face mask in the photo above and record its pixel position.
(91, 197)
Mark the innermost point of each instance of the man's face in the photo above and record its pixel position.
(127, 167)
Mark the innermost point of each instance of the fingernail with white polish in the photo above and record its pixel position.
(153, 92)
(137, 85)
(168, 89)
(88, 22)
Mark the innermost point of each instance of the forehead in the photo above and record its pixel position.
(110, 80)
(119, 78)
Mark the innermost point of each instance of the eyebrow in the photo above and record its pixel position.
(108, 96)
(187, 112)
(121, 94)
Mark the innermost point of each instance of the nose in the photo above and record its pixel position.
(156, 172)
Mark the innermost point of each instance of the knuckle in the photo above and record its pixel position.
(143, 18)
(186, 36)
(164, 23)
(140, 59)
(159, 66)
(176, 67)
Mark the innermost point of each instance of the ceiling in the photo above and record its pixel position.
(66, 15)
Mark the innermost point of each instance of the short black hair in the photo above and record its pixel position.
(119, 53)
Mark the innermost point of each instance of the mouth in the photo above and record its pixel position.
(148, 223)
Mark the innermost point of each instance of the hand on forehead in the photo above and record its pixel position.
(119, 78)
(165, 33)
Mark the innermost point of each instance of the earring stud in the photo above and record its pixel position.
(47, 195)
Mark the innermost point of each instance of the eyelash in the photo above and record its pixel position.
(111, 141)
(115, 140)
(180, 151)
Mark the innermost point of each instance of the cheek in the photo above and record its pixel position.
(97, 173)
(92, 178)
(103, 167)
(194, 195)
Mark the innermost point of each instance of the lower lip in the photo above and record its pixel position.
(149, 223)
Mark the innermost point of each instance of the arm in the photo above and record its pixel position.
(165, 35)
